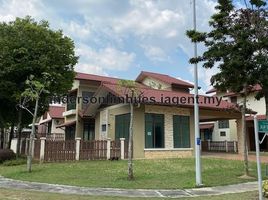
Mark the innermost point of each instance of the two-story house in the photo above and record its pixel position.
(49, 121)
(163, 126)
(226, 129)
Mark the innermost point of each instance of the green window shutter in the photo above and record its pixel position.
(181, 131)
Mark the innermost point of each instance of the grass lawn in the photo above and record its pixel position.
(6, 194)
(161, 174)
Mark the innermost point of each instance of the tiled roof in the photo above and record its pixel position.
(70, 123)
(159, 95)
(164, 78)
(83, 76)
(259, 117)
(206, 126)
(56, 111)
(211, 91)
(256, 87)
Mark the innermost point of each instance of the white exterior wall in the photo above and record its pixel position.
(255, 105)
(55, 123)
(231, 132)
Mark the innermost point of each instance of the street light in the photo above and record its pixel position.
(198, 178)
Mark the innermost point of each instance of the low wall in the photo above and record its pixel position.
(167, 153)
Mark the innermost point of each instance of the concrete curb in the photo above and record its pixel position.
(65, 189)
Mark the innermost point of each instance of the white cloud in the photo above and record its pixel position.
(10, 9)
(75, 29)
(204, 75)
(108, 58)
(154, 53)
(158, 27)
(91, 69)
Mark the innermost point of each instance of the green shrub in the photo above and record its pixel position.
(6, 154)
(14, 162)
(265, 188)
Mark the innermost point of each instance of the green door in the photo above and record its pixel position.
(89, 129)
(154, 131)
(181, 131)
(122, 126)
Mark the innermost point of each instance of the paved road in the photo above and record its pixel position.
(64, 189)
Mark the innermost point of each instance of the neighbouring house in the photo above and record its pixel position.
(226, 129)
(162, 128)
(48, 122)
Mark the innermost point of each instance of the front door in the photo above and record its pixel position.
(154, 131)
(70, 132)
(89, 129)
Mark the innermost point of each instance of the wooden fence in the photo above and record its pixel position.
(47, 150)
(93, 150)
(59, 150)
(220, 146)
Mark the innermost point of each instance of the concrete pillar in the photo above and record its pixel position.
(108, 148)
(77, 148)
(42, 148)
(226, 145)
(122, 148)
(13, 146)
(240, 136)
(235, 147)
(208, 145)
(21, 141)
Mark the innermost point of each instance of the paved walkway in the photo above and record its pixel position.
(64, 189)
(231, 156)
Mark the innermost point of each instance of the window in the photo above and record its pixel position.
(154, 131)
(71, 102)
(86, 98)
(222, 133)
(122, 126)
(224, 124)
(181, 131)
(233, 100)
(103, 127)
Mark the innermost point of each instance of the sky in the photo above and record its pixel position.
(120, 38)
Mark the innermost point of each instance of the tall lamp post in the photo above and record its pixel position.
(198, 177)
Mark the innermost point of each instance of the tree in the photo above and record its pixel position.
(32, 93)
(130, 89)
(30, 47)
(232, 46)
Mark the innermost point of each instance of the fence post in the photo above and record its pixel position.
(77, 148)
(235, 147)
(122, 148)
(42, 149)
(208, 145)
(226, 145)
(108, 148)
(27, 146)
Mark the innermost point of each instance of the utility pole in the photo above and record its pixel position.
(198, 178)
